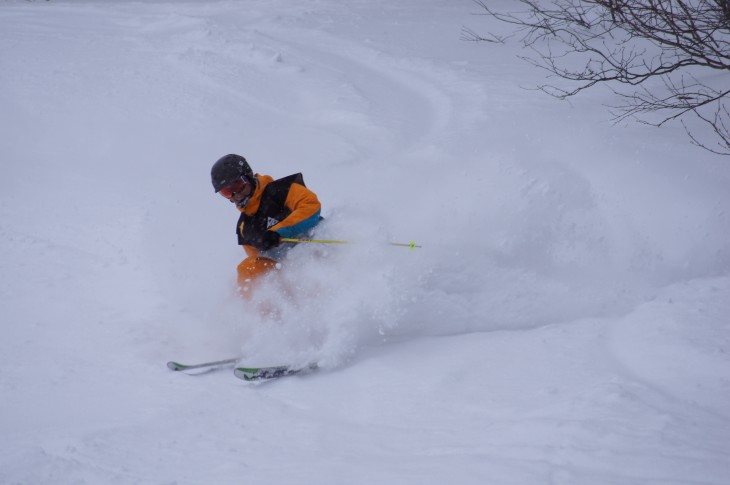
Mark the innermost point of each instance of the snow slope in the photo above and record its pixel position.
(566, 320)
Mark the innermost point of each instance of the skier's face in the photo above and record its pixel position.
(237, 191)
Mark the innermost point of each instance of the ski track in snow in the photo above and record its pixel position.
(565, 322)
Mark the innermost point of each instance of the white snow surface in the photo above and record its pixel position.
(566, 321)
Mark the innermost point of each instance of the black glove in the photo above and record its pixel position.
(270, 239)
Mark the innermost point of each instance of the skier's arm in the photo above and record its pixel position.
(305, 209)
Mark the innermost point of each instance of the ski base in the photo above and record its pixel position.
(263, 373)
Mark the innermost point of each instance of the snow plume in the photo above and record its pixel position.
(328, 301)
(507, 244)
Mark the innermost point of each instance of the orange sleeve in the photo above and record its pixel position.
(305, 208)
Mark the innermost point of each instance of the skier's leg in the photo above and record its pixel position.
(249, 270)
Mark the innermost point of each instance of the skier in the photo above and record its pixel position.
(270, 210)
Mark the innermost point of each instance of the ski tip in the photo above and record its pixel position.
(175, 366)
(248, 373)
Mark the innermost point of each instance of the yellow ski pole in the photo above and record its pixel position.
(411, 245)
(318, 241)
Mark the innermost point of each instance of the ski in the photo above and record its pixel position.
(264, 373)
(176, 366)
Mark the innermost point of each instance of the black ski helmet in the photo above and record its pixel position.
(229, 168)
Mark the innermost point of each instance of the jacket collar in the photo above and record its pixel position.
(254, 201)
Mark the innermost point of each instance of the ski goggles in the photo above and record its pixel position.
(234, 187)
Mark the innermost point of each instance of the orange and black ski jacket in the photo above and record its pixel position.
(286, 206)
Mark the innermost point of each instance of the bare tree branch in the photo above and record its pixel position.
(628, 45)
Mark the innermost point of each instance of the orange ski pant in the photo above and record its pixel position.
(249, 270)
